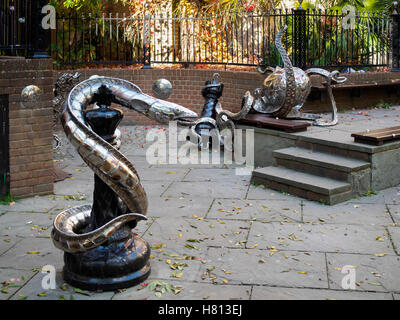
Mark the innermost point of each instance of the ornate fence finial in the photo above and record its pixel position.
(394, 7)
(300, 7)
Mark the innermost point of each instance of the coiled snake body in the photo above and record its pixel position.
(106, 161)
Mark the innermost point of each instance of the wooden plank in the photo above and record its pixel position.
(377, 137)
(267, 122)
(359, 85)
(377, 131)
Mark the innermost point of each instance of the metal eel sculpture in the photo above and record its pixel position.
(62, 87)
(106, 161)
(214, 117)
(284, 91)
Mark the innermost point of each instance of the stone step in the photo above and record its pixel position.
(318, 163)
(323, 146)
(302, 184)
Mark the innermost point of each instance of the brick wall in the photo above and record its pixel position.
(187, 85)
(31, 140)
(371, 92)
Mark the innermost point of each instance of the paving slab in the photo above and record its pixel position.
(72, 187)
(26, 224)
(197, 233)
(7, 242)
(280, 210)
(346, 213)
(387, 196)
(394, 212)
(34, 204)
(321, 238)
(276, 293)
(218, 175)
(260, 192)
(33, 290)
(168, 207)
(234, 209)
(12, 280)
(270, 210)
(394, 233)
(190, 291)
(162, 174)
(185, 270)
(291, 269)
(79, 170)
(381, 274)
(207, 189)
(155, 189)
(42, 252)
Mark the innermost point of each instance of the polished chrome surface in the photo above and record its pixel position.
(105, 160)
(162, 88)
(285, 90)
(30, 96)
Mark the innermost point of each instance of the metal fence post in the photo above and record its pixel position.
(299, 36)
(395, 38)
(146, 43)
(39, 36)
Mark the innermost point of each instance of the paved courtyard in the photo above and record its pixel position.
(214, 236)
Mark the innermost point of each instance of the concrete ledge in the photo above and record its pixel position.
(302, 180)
(321, 159)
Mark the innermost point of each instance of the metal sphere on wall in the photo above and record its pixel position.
(162, 88)
(30, 96)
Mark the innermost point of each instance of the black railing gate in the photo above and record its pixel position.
(4, 147)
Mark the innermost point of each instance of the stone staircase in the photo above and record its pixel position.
(317, 172)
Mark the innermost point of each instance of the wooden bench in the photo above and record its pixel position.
(266, 122)
(377, 137)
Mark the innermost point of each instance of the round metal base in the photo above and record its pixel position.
(119, 264)
(106, 284)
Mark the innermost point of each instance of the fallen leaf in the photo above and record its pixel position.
(380, 254)
(177, 275)
(375, 283)
(77, 290)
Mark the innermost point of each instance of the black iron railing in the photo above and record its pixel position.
(21, 31)
(314, 38)
(15, 26)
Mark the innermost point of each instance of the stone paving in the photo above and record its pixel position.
(214, 236)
